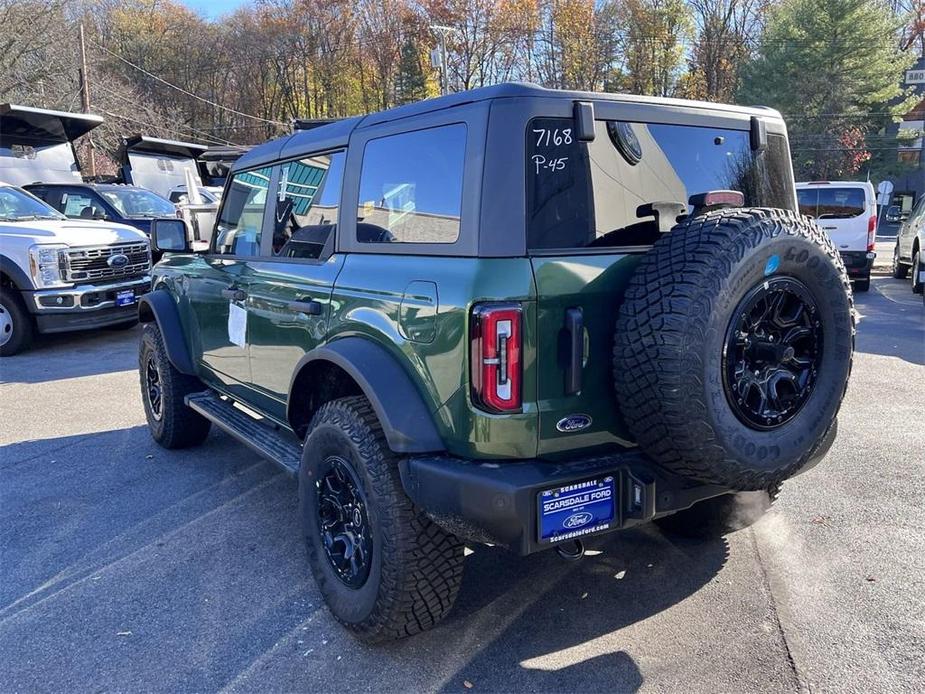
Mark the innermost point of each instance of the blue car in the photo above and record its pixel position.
(131, 205)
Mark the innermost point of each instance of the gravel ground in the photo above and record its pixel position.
(130, 568)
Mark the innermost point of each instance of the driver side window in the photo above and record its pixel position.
(240, 221)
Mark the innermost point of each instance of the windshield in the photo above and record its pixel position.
(17, 205)
(139, 203)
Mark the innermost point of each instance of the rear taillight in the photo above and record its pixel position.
(871, 233)
(496, 348)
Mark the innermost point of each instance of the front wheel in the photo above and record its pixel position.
(15, 323)
(163, 390)
(384, 569)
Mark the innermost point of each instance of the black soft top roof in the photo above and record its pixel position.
(22, 123)
(337, 133)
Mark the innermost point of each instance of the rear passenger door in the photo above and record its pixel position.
(291, 281)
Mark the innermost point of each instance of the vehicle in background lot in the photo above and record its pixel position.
(514, 316)
(113, 202)
(847, 211)
(210, 195)
(894, 216)
(215, 163)
(58, 274)
(36, 145)
(159, 165)
(909, 251)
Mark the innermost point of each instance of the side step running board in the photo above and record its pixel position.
(275, 446)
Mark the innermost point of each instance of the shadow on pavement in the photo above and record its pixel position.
(72, 355)
(126, 566)
(892, 320)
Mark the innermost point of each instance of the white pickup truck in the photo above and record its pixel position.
(59, 274)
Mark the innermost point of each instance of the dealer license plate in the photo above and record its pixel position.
(126, 297)
(575, 510)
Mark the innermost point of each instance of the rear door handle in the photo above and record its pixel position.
(234, 294)
(311, 307)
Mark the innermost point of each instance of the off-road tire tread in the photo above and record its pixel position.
(422, 564)
(672, 290)
(180, 427)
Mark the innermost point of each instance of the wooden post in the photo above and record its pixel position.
(85, 96)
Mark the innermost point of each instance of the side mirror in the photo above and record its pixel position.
(169, 235)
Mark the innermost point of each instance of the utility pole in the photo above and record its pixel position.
(85, 95)
(444, 77)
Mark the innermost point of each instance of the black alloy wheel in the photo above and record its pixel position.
(772, 353)
(153, 389)
(346, 534)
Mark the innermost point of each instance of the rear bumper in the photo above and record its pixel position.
(858, 263)
(496, 502)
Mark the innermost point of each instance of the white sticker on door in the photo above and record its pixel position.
(237, 325)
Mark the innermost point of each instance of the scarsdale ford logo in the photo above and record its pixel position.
(577, 520)
(117, 261)
(574, 422)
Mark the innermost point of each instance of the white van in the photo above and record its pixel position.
(847, 211)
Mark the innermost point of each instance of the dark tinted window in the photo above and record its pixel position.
(411, 187)
(307, 204)
(601, 193)
(831, 203)
(241, 218)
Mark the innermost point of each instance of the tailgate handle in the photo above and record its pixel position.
(575, 328)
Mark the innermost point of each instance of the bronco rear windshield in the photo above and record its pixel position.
(600, 193)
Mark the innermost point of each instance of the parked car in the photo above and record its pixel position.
(894, 215)
(847, 210)
(512, 315)
(210, 194)
(113, 202)
(58, 274)
(908, 252)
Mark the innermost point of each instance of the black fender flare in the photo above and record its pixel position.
(16, 274)
(406, 421)
(159, 306)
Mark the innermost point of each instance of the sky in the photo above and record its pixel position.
(215, 8)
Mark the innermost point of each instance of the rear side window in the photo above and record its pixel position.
(602, 193)
(241, 217)
(307, 205)
(411, 187)
(832, 203)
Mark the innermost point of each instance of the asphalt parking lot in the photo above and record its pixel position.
(126, 567)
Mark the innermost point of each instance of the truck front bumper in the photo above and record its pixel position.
(496, 502)
(85, 306)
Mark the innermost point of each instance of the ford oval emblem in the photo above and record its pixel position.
(117, 260)
(578, 520)
(573, 423)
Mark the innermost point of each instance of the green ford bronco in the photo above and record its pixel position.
(513, 316)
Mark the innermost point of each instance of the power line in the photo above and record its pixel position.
(134, 119)
(184, 91)
(198, 133)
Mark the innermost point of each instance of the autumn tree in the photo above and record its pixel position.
(834, 68)
(656, 34)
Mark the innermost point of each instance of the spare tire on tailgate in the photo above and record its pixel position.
(734, 345)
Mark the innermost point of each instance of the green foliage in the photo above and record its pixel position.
(833, 67)
(410, 82)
